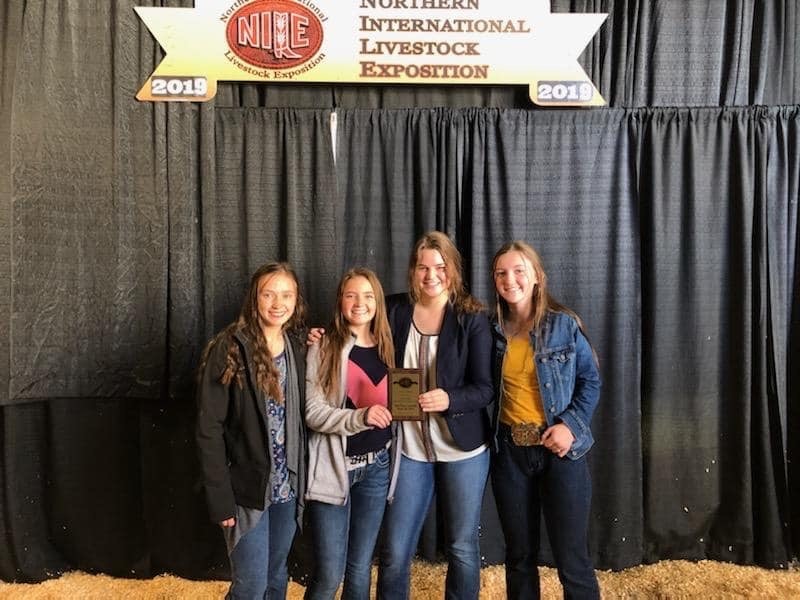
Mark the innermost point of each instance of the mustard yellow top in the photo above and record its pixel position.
(522, 402)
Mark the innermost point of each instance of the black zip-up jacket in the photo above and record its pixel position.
(232, 438)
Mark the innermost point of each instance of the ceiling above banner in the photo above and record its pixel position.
(495, 42)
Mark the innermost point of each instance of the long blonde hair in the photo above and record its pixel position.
(339, 333)
(541, 300)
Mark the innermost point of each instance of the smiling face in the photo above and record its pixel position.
(357, 302)
(430, 274)
(277, 299)
(514, 279)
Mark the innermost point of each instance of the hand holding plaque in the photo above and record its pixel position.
(405, 386)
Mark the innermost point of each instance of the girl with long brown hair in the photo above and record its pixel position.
(350, 438)
(250, 432)
(439, 328)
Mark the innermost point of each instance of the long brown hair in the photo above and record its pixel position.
(249, 324)
(461, 299)
(339, 333)
(541, 301)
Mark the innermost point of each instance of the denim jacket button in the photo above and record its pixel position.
(548, 385)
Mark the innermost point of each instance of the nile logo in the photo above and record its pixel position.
(274, 34)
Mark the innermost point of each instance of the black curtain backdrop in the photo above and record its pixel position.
(668, 220)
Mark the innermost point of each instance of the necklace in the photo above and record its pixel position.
(518, 327)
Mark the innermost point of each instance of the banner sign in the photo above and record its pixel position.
(472, 42)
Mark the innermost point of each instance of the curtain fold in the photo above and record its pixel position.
(665, 53)
(697, 370)
(392, 169)
(11, 16)
(712, 396)
(88, 233)
(275, 198)
(783, 196)
(26, 526)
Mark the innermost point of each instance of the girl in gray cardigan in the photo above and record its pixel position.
(349, 438)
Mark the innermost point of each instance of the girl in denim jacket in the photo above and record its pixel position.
(546, 388)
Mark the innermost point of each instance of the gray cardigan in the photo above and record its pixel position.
(329, 424)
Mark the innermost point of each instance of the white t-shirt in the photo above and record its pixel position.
(444, 446)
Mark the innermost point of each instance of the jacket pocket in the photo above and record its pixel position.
(559, 365)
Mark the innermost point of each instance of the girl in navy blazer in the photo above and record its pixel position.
(439, 328)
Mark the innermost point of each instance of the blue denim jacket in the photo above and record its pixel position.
(569, 381)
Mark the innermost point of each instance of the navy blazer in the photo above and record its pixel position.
(463, 367)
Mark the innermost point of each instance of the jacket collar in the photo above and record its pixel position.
(497, 328)
(405, 316)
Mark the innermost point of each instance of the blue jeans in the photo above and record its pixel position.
(343, 545)
(531, 480)
(258, 561)
(460, 488)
